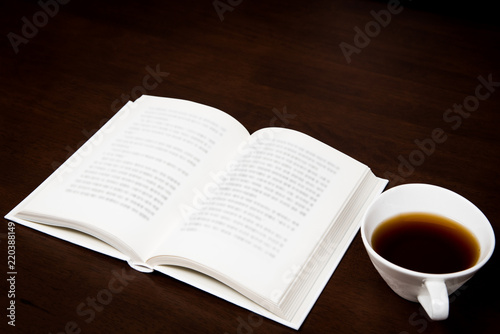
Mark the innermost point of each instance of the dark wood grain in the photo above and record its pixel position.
(264, 59)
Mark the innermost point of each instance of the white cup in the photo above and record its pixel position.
(430, 290)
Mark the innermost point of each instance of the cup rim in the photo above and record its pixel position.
(420, 274)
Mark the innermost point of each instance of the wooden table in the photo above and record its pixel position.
(375, 80)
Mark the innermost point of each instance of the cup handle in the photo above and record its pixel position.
(434, 299)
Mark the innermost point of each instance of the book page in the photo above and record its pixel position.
(126, 182)
(263, 219)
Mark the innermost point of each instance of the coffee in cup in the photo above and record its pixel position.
(426, 242)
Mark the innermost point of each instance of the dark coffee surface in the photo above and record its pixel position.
(426, 243)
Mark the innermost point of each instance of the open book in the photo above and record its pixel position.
(260, 220)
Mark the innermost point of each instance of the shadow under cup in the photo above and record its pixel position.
(431, 290)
